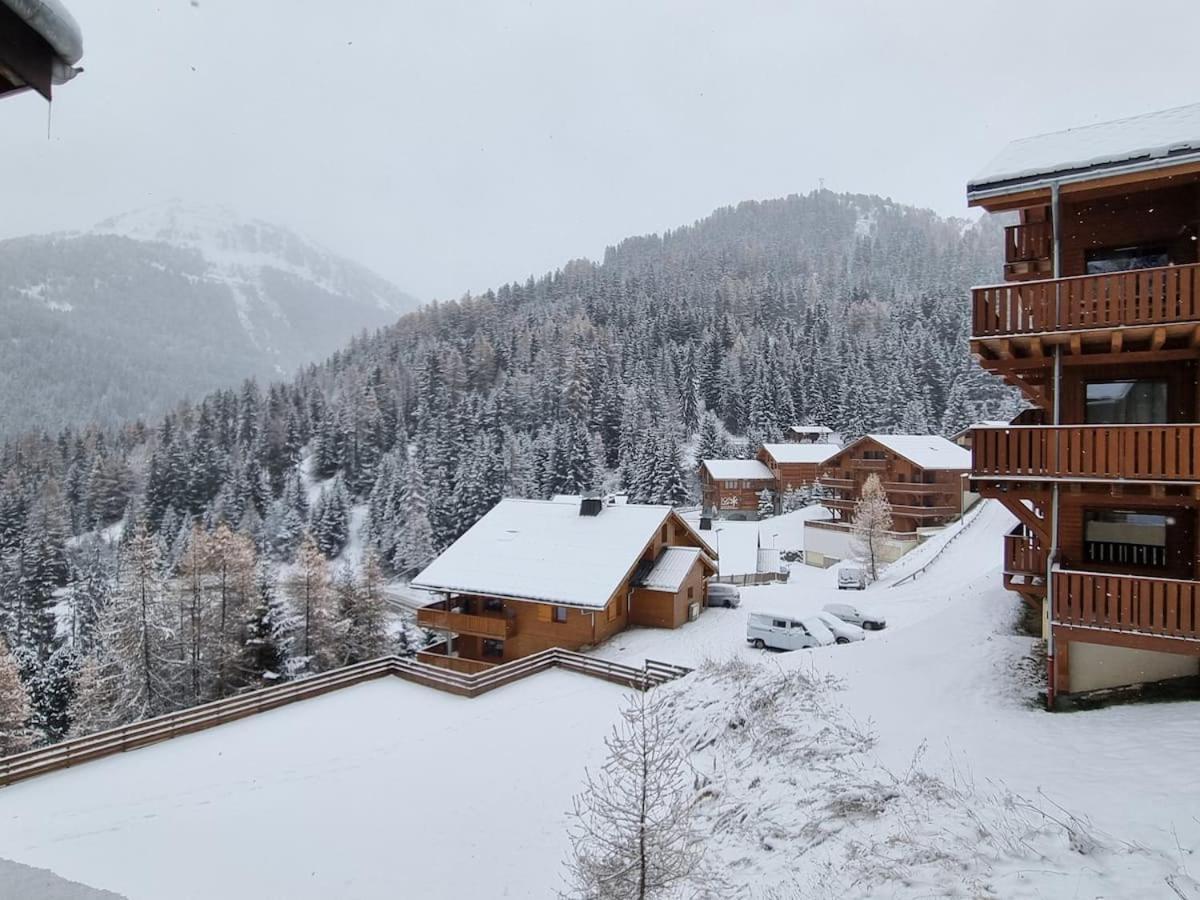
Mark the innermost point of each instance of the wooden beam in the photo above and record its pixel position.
(1157, 341)
(1017, 507)
(1194, 340)
(1118, 338)
(1076, 344)
(1087, 359)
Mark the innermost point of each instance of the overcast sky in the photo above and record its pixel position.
(453, 146)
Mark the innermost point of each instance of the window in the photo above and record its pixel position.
(1122, 537)
(691, 592)
(664, 533)
(560, 614)
(491, 604)
(730, 485)
(493, 648)
(1126, 402)
(874, 454)
(1123, 259)
(779, 623)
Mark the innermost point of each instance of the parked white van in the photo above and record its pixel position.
(785, 631)
(853, 578)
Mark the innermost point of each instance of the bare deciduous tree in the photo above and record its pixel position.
(632, 834)
(872, 522)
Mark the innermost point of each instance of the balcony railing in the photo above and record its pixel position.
(1157, 606)
(1024, 554)
(1141, 297)
(909, 512)
(497, 625)
(435, 655)
(1026, 242)
(924, 489)
(1131, 452)
(868, 463)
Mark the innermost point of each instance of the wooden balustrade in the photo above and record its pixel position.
(1024, 553)
(497, 626)
(1034, 240)
(1157, 606)
(869, 463)
(1132, 452)
(898, 509)
(31, 763)
(1158, 296)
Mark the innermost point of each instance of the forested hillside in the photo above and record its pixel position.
(839, 309)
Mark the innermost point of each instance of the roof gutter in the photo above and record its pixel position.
(1001, 188)
(50, 21)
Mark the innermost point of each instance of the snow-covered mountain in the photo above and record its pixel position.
(123, 319)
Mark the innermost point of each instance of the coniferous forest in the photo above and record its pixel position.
(154, 565)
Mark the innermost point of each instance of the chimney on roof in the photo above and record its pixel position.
(591, 505)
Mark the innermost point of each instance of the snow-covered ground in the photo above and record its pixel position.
(382, 790)
(737, 543)
(913, 764)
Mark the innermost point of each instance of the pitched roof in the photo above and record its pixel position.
(546, 551)
(671, 568)
(801, 453)
(811, 429)
(729, 469)
(1150, 140)
(929, 451)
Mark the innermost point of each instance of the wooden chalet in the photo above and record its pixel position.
(924, 476)
(40, 44)
(1098, 324)
(537, 574)
(795, 465)
(730, 488)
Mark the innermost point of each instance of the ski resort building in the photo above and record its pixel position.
(536, 574)
(40, 44)
(924, 476)
(731, 488)
(1098, 324)
(808, 434)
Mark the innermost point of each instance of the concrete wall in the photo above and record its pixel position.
(823, 546)
(1096, 666)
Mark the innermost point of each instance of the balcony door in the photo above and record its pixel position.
(1126, 402)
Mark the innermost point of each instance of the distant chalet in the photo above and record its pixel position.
(535, 574)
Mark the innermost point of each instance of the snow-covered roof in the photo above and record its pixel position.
(546, 551)
(801, 453)
(609, 499)
(52, 22)
(670, 569)
(1148, 140)
(810, 429)
(734, 469)
(929, 451)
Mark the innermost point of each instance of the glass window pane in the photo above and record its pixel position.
(1126, 402)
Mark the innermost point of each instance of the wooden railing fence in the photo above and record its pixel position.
(1148, 452)
(65, 754)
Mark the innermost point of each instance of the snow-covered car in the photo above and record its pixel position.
(721, 594)
(843, 632)
(857, 615)
(852, 578)
(785, 631)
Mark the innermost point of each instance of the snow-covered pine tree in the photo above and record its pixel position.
(414, 542)
(766, 503)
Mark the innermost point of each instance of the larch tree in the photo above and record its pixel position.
(631, 828)
(15, 733)
(308, 589)
(872, 522)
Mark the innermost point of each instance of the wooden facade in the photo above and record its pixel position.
(919, 497)
(733, 497)
(1108, 478)
(486, 629)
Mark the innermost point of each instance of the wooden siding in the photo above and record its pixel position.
(662, 609)
(918, 497)
(738, 495)
(1138, 452)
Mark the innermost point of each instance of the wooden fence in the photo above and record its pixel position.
(65, 754)
(750, 578)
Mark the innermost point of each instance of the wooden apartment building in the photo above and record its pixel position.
(1098, 324)
(730, 488)
(924, 476)
(535, 574)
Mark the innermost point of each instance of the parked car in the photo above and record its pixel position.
(857, 615)
(784, 631)
(843, 632)
(721, 594)
(852, 578)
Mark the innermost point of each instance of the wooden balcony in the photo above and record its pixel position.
(836, 483)
(868, 463)
(908, 512)
(489, 625)
(922, 489)
(1148, 453)
(1163, 607)
(1025, 564)
(1169, 295)
(1034, 240)
(435, 655)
